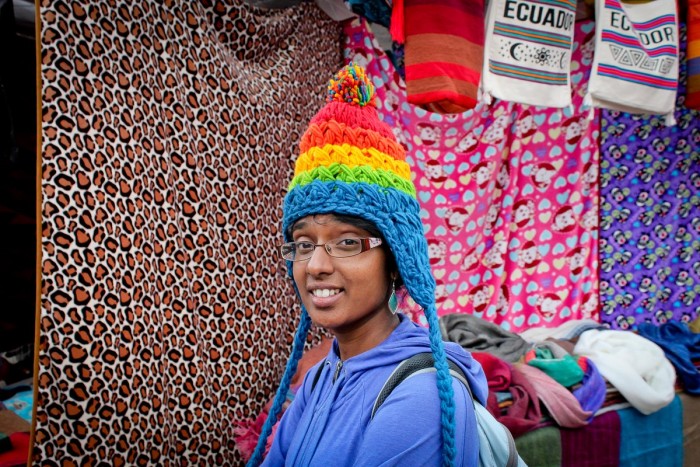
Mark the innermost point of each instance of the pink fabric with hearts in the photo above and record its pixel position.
(509, 195)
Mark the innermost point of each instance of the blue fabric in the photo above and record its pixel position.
(591, 393)
(374, 11)
(653, 440)
(331, 425)
(681, 346)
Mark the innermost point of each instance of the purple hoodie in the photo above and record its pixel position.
(332, 426)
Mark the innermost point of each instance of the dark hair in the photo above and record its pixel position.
(373, 230)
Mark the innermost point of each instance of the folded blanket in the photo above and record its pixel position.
(655, 439)
(477, 334)
(595, 445)
(681, 346)
(636, 366)
(568, 330)
(541, 448)
(563, 407)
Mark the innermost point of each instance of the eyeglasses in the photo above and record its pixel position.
(338, 248)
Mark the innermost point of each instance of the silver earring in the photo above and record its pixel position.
(393, 300)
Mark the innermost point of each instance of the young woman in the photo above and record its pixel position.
(353, 235)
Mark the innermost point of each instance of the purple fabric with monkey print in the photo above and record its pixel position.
(650, 216)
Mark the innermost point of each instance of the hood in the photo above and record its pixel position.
(405, 341)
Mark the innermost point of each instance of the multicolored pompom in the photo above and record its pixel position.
(351, 85)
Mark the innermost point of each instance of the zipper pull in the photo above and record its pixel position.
(338, 366)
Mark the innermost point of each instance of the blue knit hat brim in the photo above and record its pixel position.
(393, 212)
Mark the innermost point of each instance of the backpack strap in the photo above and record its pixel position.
(318, 374)
(418, 363)
(491, 432)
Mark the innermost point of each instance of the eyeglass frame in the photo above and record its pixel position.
(367, 243)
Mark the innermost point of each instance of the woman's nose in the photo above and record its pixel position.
(320, 261)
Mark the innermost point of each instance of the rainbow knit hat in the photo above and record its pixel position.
(351, 164)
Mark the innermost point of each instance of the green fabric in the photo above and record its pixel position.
(565, 370)
(541, 447)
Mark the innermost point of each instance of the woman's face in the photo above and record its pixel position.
(340, 294)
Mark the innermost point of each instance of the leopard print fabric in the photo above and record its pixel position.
(169, 131)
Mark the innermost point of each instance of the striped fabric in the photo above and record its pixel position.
(444, 46)
(528, 51)
(692, 99)
(635, 67)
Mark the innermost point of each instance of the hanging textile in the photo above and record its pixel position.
(650, 217)
(635, 67)
(528, 51)
(168, 135)
(443, 53)
(692, 100)
(509, 196)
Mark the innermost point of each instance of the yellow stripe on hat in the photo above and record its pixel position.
(352, 156)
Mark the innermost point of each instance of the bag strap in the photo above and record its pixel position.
(418, 363)
(318, 374)
(424, 363)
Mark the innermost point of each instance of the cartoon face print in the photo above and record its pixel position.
(589, 219)
(469, 260)
(428, 135)
(400, 137)
(503, 298)
(564, 219)
(624, 322)
(503, 177)
(577, 259)
(573, 129)
(434, 172)
(440, 292)
(391, 102)
(494, 257)
(496, 133)
(590, 175)
(548, 304)
(589, 305)
(523, 212)
(662, 317)
(437, 250)
(616, 152)
(479, 297)
(492, 216)
(455, 218)
(525, 126)
(542, 175)
(361, 57)
(467, 144)
(528, 255)
(482, 173)
(588, 47)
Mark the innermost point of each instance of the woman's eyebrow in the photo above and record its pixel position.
(298, 226)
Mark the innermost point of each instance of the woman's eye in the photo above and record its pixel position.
(305, 246)
(348, 242)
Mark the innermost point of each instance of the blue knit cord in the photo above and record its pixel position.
(281, 395)
(444, 383)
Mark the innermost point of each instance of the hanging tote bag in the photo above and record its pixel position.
(635, 64)
(528, 52)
